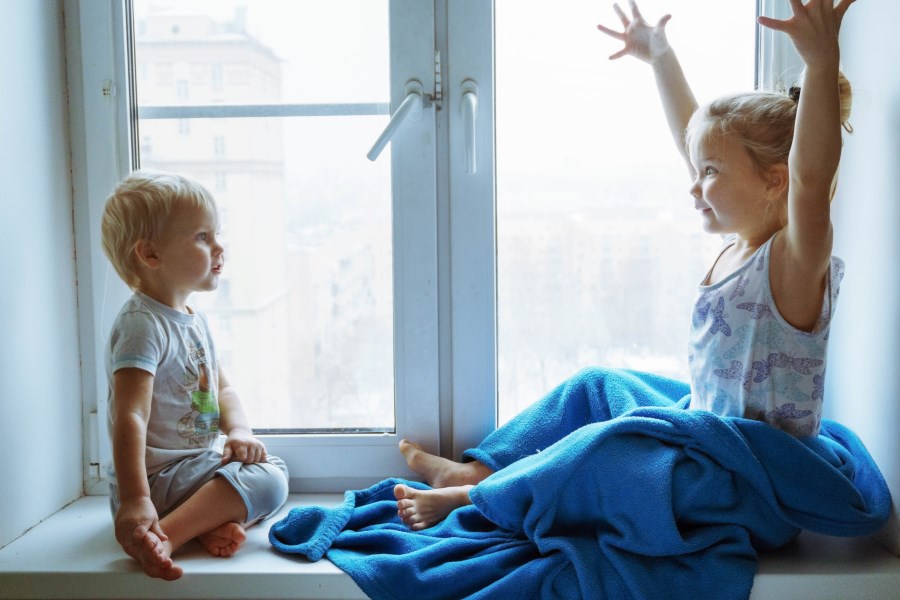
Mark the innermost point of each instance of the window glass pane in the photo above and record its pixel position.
(303, 316)
(304, 51)
(599, 247)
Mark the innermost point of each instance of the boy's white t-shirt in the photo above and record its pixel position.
(747, 361)
(178, 350)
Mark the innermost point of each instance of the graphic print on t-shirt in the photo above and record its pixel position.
(202, 423)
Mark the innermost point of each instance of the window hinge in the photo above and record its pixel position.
(109, 89)
(438, 84)
(93, 442)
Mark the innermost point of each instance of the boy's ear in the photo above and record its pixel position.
(778, 179)
(146, 253)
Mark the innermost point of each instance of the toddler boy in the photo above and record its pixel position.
(169, 398)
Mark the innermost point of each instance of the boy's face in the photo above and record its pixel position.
(190, 255)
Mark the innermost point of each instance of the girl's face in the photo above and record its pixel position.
(729, 193)
(191, 257)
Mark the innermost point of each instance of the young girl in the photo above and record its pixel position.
(763, 169)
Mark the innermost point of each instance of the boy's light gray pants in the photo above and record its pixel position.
(262, 486)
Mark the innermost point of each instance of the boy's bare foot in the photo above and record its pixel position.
(440, 472)
(156, 558)
(223, 540)
(133, 550)
(419, 509)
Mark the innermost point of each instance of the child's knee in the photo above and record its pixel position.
(593, 374)
(263, 486)
(593, 381)
(277, 479)
(270, 487)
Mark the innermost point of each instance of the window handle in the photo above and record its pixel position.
(469, 109)
(409, 110)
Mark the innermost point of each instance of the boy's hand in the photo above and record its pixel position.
(243, 447)
(641, 40)
(133, 520)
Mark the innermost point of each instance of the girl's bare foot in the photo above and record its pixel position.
(156, 559)
(419, 509)
(440, 472)
(223, 540)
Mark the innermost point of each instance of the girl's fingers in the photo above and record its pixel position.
(662, 21)
(635, 11)
(826, 8)
(622, 16)
(611, 32)
(771, 23)
(796, 6)
(840, 9)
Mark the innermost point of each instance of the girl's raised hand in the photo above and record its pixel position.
(813, 28)
(641, 40)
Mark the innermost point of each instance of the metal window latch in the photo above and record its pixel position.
(411, 108)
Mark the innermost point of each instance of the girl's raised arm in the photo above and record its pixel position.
(650, 45)
(816, 146)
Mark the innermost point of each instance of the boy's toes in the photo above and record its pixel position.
(155, 560)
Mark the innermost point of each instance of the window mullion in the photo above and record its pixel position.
(413, 165)
(470, 64)
(778, 65)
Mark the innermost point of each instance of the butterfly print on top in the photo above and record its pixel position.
(818, 392)
(739, 287)
(787, 411)
(719, 324)
(781, 361)
(746, 360)
(756, 310)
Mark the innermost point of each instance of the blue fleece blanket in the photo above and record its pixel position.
(655, 502)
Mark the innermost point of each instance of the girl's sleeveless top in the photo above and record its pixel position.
(747, 361)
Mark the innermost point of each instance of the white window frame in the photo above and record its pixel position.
(445, 283)
(323, 462)
(472, 222)
(778, 65)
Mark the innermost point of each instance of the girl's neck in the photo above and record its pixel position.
(748, 242)
(735, 256)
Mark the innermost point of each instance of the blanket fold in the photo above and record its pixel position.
(658, 502)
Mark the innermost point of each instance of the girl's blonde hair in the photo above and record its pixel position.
(138, 209)
(762, 122)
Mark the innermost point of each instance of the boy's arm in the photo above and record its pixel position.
(651, 45)
(133, 393)
(241, 444)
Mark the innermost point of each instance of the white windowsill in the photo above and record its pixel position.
(73, 555)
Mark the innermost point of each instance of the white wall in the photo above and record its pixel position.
(40, 384)
(864, 351)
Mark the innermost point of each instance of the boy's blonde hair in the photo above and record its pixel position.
(762, 122)
(138, 210)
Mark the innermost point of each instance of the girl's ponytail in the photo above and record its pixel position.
(845, 95)
(845, 92)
